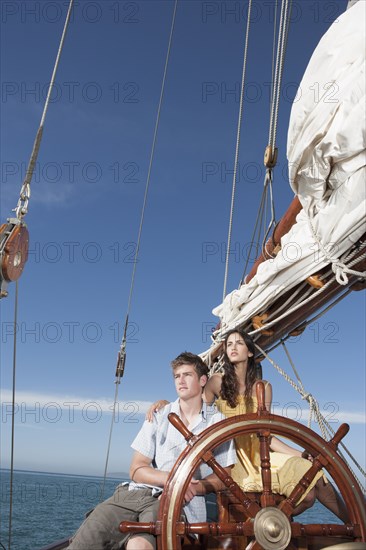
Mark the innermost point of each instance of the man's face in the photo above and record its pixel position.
(187, 382)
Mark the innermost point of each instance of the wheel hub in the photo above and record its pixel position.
(272, 529)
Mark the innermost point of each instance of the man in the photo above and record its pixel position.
(157, 447)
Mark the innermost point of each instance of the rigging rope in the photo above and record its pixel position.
(13, 414)
(327, 430)
(237, 150)
(274, 48)
(268, 181)
(305, 324)
(310, 298)
(220, 333)
(281, 52)
(109, 441)
(255, 238)
(22, 206)
(295, 370)
(122, 351)
(20, 211)
(151, 161)
(271, 151)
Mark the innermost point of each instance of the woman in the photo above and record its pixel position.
(234, 393)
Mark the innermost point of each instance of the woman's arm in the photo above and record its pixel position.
(155, 407)
(281, 447)
(212, 389)
(210, 392)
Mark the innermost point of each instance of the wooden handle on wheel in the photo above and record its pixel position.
(136, 527)
(180, 426)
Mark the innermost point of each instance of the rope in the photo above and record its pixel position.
(258, 223)
(309, 299)
(109, 443)
(237, 150)
(13, 414)
(281, 52)
(287, 13)
(275, 101)
(340, 269)
(293, 366)
(219, 335)
(151, 161)
(273, 50)
(256, 237)
(300, 304)
(304, 325)
(122, 350)
(328, 308)
(268, 180)
(291, 299)
(277, 70)
(22, 206)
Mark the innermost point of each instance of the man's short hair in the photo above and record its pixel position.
(188, 358)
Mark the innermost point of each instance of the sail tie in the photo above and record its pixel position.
(339, 268)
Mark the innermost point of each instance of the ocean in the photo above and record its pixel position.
(48, 507)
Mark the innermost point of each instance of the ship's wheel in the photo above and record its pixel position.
(264, 521)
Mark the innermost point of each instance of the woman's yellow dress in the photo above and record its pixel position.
(286, 470)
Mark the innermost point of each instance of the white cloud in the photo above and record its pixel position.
(136, 406)
(33, 400)
(334, 417)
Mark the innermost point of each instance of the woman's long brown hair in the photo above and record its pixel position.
(230, 385)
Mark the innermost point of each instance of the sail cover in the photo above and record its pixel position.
(326, 157)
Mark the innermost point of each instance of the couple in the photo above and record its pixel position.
(158, 445)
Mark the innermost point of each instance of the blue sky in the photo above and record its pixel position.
(85, 207)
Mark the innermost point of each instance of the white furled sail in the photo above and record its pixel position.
(326, 156)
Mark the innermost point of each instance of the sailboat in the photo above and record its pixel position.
(237, 306)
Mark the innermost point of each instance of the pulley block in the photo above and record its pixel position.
(14, 242)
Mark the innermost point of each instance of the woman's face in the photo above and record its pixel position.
(236, 349)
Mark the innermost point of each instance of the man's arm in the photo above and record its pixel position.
(141, 471)
(210, 484)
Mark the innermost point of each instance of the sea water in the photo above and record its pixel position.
(48, 507)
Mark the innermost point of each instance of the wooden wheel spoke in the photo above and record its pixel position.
(325, 530)
(251, 508)
(271, 523)
(267, 498)
(289, 504)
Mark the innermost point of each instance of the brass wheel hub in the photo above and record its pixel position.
(272, 529)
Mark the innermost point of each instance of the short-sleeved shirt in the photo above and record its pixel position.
(162, 443)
